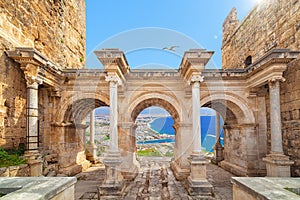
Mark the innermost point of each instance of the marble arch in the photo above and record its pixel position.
(235, 107)
(78, 107)
(155, 99)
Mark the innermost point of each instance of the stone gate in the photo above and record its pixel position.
(59, 100)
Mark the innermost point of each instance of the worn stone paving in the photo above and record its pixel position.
(155, 181)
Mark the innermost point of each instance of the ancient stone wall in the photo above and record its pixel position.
(12, 101)
(290, 114)
(271, 24)
(56, 28)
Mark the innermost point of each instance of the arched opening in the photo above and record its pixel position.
(211, 129)
(79, 109)
(135, 109)
(155, 102)
(240, 135)
(155, 135)
(72, 132)
(97, 135)
(248, 61)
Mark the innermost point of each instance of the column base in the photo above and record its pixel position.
(113, 185)
(35, 162)
(110, 191)
(278, 165)
(180, 173)
(197, 184)
(199, 188)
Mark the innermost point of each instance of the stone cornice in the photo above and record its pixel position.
(271, 65)
(36, 66)
(194, 61)
(114, 61)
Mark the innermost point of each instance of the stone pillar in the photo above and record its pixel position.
(181, 166)
(32, 153)
(127, 145)
(92, 146)
(218, 148)
(197, 182)
(113, 182)
(277, 164)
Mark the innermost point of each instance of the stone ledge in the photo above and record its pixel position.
(37, 188)
(233, 168)
(264, 188)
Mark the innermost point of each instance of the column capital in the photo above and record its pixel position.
(275, 81)
(33, 81)
(113, 79)
(31, 74)
(196, 79)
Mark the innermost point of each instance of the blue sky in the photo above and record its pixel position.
(143, 28)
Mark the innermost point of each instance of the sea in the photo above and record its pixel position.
(164, 125)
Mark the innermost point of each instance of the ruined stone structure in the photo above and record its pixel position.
(45, 98)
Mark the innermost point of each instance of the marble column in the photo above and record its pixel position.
(275, 117)
(196, 142)
(32, 150)
(92, 146)
(218, 149)
(197, 182)
(113, 182)
(113, 126)
(277, 164)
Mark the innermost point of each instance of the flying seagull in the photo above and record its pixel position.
(171, 48)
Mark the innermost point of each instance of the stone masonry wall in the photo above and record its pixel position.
(56, 28)
(12, 101)
(290, 114)
(271, 24)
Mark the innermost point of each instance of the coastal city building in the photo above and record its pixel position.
(46, 96)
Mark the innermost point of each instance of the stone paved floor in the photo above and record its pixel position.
(155, 181)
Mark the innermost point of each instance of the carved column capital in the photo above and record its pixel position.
(31, 74)
(33, 81)
(196, 79)
(114, 80)
(275, 82)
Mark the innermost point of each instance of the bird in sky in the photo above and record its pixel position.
(171, 48)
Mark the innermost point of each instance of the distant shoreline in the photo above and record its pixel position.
(159, 133)
(149, 126)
